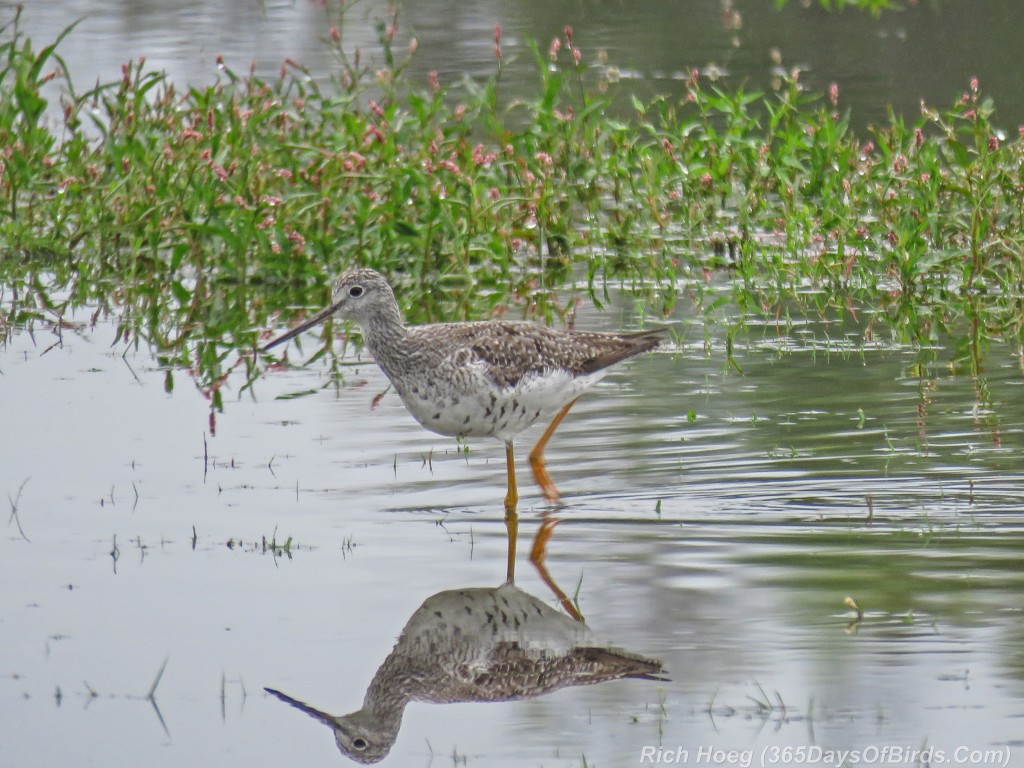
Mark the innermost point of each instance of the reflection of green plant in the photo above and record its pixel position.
(196, 216)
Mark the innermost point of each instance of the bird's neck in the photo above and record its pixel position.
(385, 335)
(391, 689)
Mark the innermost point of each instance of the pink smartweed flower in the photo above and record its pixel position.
(833, 94)
(556, 46)
(497, 42)
(481, 157)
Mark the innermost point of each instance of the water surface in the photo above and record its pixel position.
(928, 51)
(722, 542)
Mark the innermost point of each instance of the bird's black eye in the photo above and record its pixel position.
(359, 744)
(355, 291)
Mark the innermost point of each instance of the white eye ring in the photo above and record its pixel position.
(355, 291)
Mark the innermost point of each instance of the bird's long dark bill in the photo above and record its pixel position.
(323, 717)
(315, 320)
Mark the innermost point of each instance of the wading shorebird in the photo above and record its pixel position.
(492, 378)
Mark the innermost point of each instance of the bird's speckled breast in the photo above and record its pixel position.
(467, 403)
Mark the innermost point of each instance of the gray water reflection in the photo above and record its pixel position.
(929, 51)
(476, 645)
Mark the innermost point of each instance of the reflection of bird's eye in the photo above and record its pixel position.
(355, 291)
(359, 744)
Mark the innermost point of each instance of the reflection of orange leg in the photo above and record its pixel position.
(540, 542)
(537, 554)
(540, 472)
(511, 516)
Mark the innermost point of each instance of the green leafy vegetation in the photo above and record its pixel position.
(202, 217)
(874, 7)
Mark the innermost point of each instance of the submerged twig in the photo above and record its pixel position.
(14, 510)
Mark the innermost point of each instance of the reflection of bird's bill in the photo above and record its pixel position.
(315, 320)
(323, 717)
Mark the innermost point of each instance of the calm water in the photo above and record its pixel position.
(930, 51)
(724, 546)
(723, 543)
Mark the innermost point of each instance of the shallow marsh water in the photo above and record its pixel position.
(722, 542)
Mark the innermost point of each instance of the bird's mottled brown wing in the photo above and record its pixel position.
(513, 350)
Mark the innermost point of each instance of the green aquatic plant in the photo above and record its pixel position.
(201, 217)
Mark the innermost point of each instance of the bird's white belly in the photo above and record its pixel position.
(477, 408)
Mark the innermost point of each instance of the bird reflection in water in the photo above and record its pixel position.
(478, 644)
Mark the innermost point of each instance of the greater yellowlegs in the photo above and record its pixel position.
(476, 644)
(493, 378)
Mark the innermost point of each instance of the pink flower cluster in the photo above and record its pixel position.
(556, 47)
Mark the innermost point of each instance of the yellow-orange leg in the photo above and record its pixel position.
(540, 472)
(537, 554)
(511, 516)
